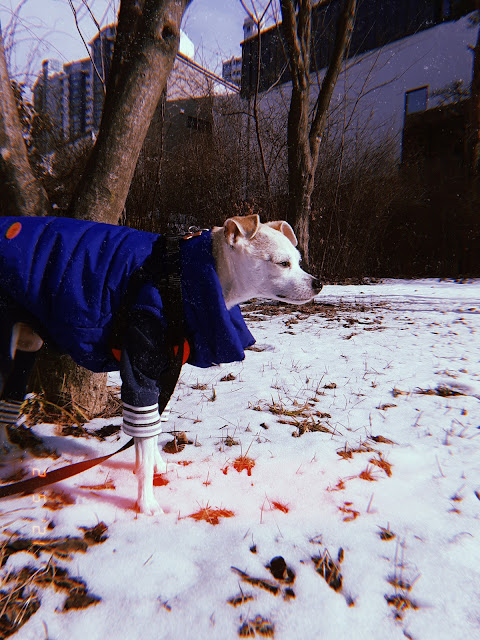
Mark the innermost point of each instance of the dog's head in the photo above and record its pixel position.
(266, 261)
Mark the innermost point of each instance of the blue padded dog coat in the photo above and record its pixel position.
(68, 277)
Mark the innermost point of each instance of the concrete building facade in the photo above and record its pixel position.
(232, 70)
(70, 97)
(405, 56)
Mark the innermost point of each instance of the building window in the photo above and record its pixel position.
(199, 125)
(416, 100)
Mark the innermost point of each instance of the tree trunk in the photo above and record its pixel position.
(146, 45)
(20, 193)
(303, 140)
(66, 384)
(148, 37)
(300, 171)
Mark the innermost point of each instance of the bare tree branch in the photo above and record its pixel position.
(258, 20)
(99, 75)
(342, 40)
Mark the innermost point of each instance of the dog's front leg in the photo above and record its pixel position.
(145, 461)
(160, 464)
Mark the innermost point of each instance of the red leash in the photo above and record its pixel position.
(26, 487)
(31, 485)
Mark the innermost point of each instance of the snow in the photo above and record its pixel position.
(362, 349)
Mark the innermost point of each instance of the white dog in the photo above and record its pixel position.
(253, 260)
(242, 260)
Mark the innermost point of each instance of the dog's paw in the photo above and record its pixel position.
(149, 506)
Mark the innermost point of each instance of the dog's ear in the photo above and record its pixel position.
(241, 227)
(285, 228)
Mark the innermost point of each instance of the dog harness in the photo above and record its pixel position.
(67, 278)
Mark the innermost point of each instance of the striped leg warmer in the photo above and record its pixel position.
(10, 412)
(143, 422)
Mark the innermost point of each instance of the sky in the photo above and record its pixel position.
(46, 29)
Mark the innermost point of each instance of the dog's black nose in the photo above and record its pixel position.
(317, 285)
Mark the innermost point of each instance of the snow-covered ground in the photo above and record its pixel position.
(380, 469)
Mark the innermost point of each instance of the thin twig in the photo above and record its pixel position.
(74, 11)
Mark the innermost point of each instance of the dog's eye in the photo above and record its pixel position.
(285, 263)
